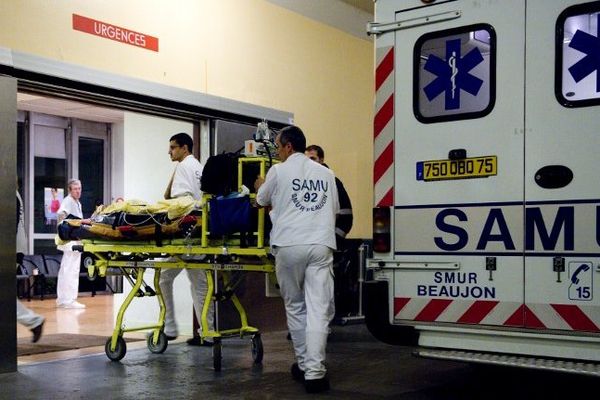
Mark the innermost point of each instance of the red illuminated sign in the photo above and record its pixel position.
(114, 32)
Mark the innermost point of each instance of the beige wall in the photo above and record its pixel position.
(146, 143)
(247, 50)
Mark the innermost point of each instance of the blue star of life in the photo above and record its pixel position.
(590, 45)
(453, 74)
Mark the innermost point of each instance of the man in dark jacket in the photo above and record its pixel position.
(344, 219)
(343, 281)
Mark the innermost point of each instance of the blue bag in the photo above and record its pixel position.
(229, 215)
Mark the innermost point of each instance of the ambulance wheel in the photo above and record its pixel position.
(257, 349)
(217, 354)
(120, 349)
(161, 344)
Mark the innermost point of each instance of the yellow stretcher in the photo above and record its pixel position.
(215, 257)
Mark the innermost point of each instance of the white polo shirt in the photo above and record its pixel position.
(186, 180)
(304, 201)
(70, 206)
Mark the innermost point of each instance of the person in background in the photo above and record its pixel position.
(344, 218)
(343, 222)
(55, 202)
(26, 316)
(304, 202)
(67, 286)
(185, 182)
(53, 208)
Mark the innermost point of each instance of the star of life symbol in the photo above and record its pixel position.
(452, 74)
(590, 46)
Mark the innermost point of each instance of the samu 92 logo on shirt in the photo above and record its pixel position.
(309, 194)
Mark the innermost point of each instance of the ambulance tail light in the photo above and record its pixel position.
(381, 230)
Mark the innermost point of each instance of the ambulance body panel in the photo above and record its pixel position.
(485, 141)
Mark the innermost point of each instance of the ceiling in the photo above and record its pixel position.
(350, 16)
(365, 5)
(67, 108)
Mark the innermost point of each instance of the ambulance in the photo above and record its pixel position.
(486, 219)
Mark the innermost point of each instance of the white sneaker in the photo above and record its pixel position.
(74, 304)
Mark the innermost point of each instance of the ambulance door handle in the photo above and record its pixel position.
(553, 176)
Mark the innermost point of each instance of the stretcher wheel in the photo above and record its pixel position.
(216, 349)
(87, 261)
(161, 344)
(119, 351)
(257, 348)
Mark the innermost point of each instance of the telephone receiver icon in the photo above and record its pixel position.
(580, 269)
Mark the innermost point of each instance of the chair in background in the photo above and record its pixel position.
(31, 272)
(52, 265)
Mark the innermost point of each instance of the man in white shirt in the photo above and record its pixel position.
(304, 202)
(67, 286)
(184, 182)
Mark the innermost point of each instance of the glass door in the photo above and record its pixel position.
(48, 167)
(90, 163)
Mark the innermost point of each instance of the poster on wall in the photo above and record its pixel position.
(53, 198)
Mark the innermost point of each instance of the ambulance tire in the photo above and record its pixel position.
(376, 309)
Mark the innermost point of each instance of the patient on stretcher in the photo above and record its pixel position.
(137, 220)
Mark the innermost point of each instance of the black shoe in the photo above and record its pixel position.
(196, 341)
(297, 373)
(37, 332)
(171, 337)
(316, 385)
(289, 336)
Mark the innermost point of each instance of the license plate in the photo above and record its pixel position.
(466, 168)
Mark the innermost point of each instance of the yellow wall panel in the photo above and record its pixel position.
(247, 50)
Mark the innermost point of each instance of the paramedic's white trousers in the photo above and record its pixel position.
(27, 317)
(67, 287)
(304, 274)
(198, 288)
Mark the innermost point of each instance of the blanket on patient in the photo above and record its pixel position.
(136, 220)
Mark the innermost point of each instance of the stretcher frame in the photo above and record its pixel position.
(215, 257)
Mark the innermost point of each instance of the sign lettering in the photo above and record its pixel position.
(113, 32)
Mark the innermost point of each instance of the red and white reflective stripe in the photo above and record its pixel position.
(488, 312)
(383, 128)
(492, 312)
(564, 316)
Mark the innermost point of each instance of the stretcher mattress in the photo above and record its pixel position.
(136, 220)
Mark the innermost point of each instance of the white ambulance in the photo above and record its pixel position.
(486, 232)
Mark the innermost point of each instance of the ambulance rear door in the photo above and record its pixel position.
(562, 186)
(458, 163)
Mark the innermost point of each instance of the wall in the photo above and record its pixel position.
(249, 50)
(117, 153)
(8, 162)
(144, 172)
(146, 163)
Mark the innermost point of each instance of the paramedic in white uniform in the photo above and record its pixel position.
(67, 287)
(184, 182)
(304, 202)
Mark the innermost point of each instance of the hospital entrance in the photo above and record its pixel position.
(116, 154)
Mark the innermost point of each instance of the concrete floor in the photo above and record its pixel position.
(360, 368)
